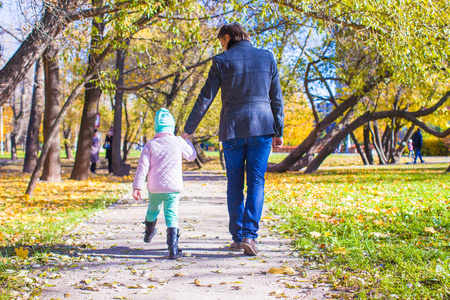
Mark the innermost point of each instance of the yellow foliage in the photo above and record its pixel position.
(299, 121)
(49, 204)
(8, 117)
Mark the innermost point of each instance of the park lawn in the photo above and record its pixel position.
(31, 229)
(380, 233)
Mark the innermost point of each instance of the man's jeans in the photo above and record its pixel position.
(246, 154)
(418, 155)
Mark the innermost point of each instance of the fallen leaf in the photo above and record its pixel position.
(379, 234)
(315, 234)
(430, 230)
(21, 252)
(284, 270)
(340, 250)
(197, 283)
(179, 274)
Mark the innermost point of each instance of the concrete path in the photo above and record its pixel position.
(122, 266)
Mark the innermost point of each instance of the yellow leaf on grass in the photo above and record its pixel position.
(379, 222)
(284, 270)
(340, 250)
(430, 230)
(379, 234)
(21, 252)
(315, 234)
(327, 234)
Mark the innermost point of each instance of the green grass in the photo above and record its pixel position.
(381, 234)
(41, 224)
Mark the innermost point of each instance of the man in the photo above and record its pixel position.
(417, 145)
(108, 147)
(251, 122)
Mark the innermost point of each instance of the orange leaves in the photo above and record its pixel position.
(18, 212)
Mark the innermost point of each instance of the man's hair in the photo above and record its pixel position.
(235, 31)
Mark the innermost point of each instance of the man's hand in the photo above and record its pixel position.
(277, 142)
(186, 136)
(137, 194)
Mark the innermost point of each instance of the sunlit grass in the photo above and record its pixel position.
(40, 222)
(384, 232)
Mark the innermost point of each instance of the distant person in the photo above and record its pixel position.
(417, 145)
(108, 146)
(411, 150)
(338, 149)
(95, 151)
(251, 123)
(161, 164)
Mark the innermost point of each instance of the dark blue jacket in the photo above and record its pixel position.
(417, 140)
(252, 102)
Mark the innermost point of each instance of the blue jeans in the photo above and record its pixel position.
(418, 155)
(246, 155)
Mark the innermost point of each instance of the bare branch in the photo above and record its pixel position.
(154, 81)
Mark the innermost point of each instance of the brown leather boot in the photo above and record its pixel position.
(249, 246)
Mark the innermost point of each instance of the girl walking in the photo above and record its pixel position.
(161, 163)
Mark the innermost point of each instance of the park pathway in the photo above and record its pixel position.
(119, 265)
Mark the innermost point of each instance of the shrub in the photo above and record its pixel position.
(434, 147)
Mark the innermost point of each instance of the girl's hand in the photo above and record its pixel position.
(137, 194)
(186, 136)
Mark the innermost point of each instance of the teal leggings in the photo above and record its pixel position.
(170, 208)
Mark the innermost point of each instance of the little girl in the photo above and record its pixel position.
(410, 149)
(161, 163)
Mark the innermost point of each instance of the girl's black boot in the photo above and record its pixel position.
(172, 241)
(150, 231)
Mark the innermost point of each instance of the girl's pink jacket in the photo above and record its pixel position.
(161, 163)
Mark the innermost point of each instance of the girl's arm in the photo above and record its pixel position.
(187, 149)
(142, 170)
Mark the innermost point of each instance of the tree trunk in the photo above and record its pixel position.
(386, 141)
(448, 169)
(367, 148)
(52, 165)
(13, 147)
(28, 53)
(320, 143)
(92, 94)
(358, 148)
(118, 166)
(67, 134)
(37, 103)
(125, 149)
(298, 152)
(378, 144)
(398, 153)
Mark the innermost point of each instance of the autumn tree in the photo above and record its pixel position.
(393, 41)
(37, 104)
(52, 167)
(143, 16)
(92, 94)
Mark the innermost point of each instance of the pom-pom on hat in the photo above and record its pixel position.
(164, 121)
